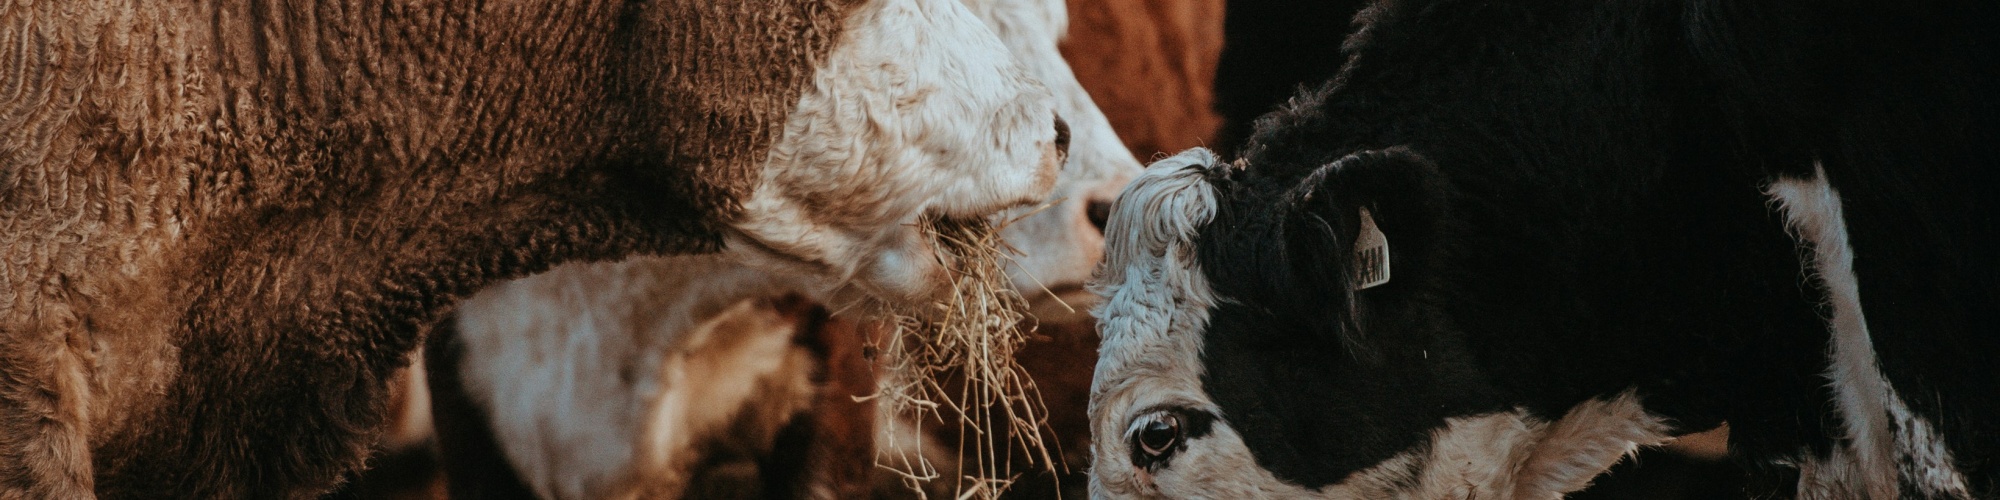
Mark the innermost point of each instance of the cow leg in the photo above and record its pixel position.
(469, 455)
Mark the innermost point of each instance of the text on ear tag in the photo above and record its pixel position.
(1371, 254)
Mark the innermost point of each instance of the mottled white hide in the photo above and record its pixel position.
(1881, 432)
(919, 109)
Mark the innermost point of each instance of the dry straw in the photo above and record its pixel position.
(956, 363)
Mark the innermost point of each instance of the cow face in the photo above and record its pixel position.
(1250, 351)
(918, 110)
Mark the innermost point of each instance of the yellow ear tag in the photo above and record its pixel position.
(1371, 254)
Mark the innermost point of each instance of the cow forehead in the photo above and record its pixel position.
(1155, 298)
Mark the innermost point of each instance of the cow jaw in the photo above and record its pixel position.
(919, 110)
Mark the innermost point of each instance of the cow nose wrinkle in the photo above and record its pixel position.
(1099, 212)
(1062, 138)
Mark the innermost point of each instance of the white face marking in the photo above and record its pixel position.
(1154, 304)
(1865, 465)
(1155, 308)
(919, 108)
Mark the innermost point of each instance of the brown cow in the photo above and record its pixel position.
(224, 224)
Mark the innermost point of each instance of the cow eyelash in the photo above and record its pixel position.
(1156, 436)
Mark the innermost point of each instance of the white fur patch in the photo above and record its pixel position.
(918, 109)
(1155, 304)
(1879, 428)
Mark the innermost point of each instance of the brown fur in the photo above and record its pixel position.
(223, 223)
(1150, 65)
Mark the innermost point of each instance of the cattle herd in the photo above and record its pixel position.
(1422, 249)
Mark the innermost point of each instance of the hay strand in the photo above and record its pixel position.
(974, 335)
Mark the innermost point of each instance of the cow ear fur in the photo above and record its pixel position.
(1404, 194)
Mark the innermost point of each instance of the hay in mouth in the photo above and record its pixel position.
(955, 362)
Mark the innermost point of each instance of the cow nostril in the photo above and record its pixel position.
(1062, 137)
(1099, 212)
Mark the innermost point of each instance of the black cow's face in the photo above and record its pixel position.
(1250, 350)
(1579, 204)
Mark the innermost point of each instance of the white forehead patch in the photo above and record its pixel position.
(1155, 305)
(1149, 280)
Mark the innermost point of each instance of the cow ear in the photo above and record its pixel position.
(1362, 220)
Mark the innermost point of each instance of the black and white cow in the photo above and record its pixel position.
(1514, 241)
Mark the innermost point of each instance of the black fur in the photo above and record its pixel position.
(1572, 192)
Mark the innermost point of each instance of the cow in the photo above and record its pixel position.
(579, 382)
(1511, 242)
(1272, 50)
(225, 224)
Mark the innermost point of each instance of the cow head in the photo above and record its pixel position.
(919, 110)
(1245, 354)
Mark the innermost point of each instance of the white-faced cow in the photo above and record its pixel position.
(1513, 241)
(607, 380)
(223, 224)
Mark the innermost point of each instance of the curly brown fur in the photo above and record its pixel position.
(224, 223)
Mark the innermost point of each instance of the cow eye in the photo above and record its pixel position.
(1158, 435)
